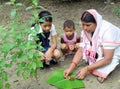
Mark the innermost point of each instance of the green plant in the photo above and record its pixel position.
(34, 5)
(116, 10)
(15, 46)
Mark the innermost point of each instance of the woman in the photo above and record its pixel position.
(100, 47)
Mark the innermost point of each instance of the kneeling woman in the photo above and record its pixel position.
(100, 47)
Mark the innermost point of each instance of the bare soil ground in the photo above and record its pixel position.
(62, 11)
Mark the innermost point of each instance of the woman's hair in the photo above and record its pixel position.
(45, 16)
(87, 17)
(69, 23)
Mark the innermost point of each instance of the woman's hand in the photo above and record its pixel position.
(82, 73)
(66, 73)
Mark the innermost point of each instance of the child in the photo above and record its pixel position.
(69, 40)
(46, 28)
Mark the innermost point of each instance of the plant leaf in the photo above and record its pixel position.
(52, 80)
(19, 4)
(34, 65)
(13, 13)
(24, 76)
(8, 3)
(40, 7)
(59, 81)
(28, 8)
(7, 86)
(5, 76)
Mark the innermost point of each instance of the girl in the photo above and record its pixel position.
(46, 28)
(69, 40)
(100, 47)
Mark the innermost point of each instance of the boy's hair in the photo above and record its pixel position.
(87, 17)
(45, 16)
(68, 23)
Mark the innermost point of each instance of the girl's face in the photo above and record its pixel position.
(46, 26)
(89, 26)
(69, 31)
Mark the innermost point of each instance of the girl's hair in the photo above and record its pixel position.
(45, 16)
(69, 23)
(87, 17)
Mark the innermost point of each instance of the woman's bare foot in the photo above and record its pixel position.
(100, 79)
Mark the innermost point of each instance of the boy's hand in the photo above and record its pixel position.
(48, 55)
(77, 46)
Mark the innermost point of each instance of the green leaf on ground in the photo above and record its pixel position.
(57, 80)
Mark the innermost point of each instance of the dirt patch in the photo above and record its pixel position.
(62, 11)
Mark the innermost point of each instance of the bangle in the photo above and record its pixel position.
(90, 70)
(74, 63)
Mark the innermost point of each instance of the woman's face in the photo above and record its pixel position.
(69, 31)
(89, 26)
(46, 26)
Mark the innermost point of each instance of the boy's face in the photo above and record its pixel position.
(46, 26)
(88, 26)
(69, 31)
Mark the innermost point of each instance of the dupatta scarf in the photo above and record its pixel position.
(105, 36)
(90, 49)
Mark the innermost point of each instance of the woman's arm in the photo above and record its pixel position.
(108, 55)
(75, 61)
